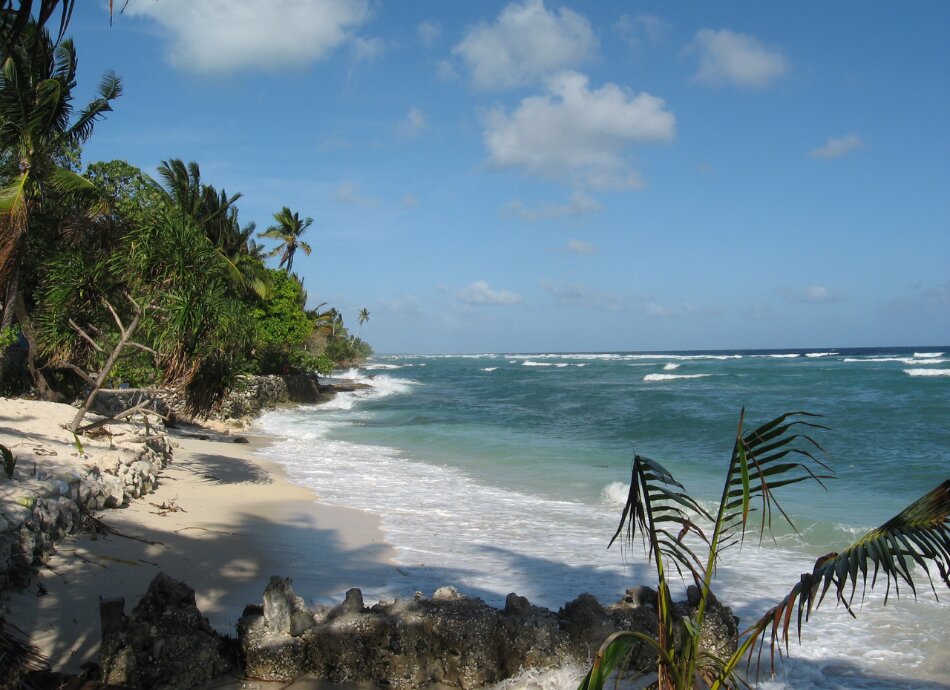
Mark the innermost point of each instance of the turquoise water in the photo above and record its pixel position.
(500, 473)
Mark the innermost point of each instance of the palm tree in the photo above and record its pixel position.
(776, 454)
(37, 142)
(217, 215)
(290, 226)
(363, 318)
(16, 19)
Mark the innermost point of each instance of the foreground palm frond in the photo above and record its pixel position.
(918, 534)
(771, 456)
(655, 500)
(776, 454)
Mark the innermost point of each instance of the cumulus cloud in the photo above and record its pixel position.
(581, 247)
(429, 33)
(414, 124)
(348, 193)
(573, 130)
(727, 58)
(526, 43)
(813, 294)
(215, 36)
(578, 204)
(640, 29)
(835, 148)
(479, 292)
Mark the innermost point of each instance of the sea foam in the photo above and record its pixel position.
(673, 377)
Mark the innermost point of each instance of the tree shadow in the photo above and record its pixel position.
(224, 469)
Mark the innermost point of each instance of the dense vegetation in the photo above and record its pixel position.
(111, 276)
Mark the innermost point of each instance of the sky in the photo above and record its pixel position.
(542, 176)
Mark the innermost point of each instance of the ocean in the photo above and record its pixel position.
(501, 473)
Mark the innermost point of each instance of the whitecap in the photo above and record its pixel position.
(670, 366)
(820, 354)
(615, 494)
(530, 363)
(928, 355)
(490, 369)
(927, 372)
(672, 377)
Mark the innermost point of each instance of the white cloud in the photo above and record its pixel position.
(367, 49)
(581, 247)
(526, 43)
(730, 58)
(573, 130)
(479, 292)
(348, 193)
(414, 124)
(813, 294)
(835, 148)
(640, 29)
(579, 203)
(214, 36)
(429, 33)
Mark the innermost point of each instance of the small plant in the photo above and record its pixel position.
(9, 461)
(776, 454)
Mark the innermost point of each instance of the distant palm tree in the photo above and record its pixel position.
(363, 318)
(290, 226)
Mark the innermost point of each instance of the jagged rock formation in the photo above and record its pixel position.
(164, 644)
(449, 639)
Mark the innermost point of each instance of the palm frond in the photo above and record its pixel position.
(110, 88)
(778, 453)
(919, 533)
(657, 504)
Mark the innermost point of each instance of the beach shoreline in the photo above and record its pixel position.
(223, 519)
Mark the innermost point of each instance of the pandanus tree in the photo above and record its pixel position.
(38, 141)
(777, 454)
(290, 226)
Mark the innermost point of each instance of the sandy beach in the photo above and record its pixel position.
(222, 519)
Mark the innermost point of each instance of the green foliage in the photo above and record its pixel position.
(280, 320)
(9, 336)
(776, 454)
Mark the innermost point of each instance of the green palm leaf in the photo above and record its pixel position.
(919, 533)
(774, 455)
(656, 506)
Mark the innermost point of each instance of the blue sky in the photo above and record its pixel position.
(548, 176)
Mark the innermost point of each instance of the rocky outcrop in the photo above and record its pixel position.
(449, 638)
(164, 644)
(37, 510)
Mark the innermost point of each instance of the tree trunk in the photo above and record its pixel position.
(26, 326)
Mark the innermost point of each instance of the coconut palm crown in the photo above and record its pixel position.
(290, 226)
